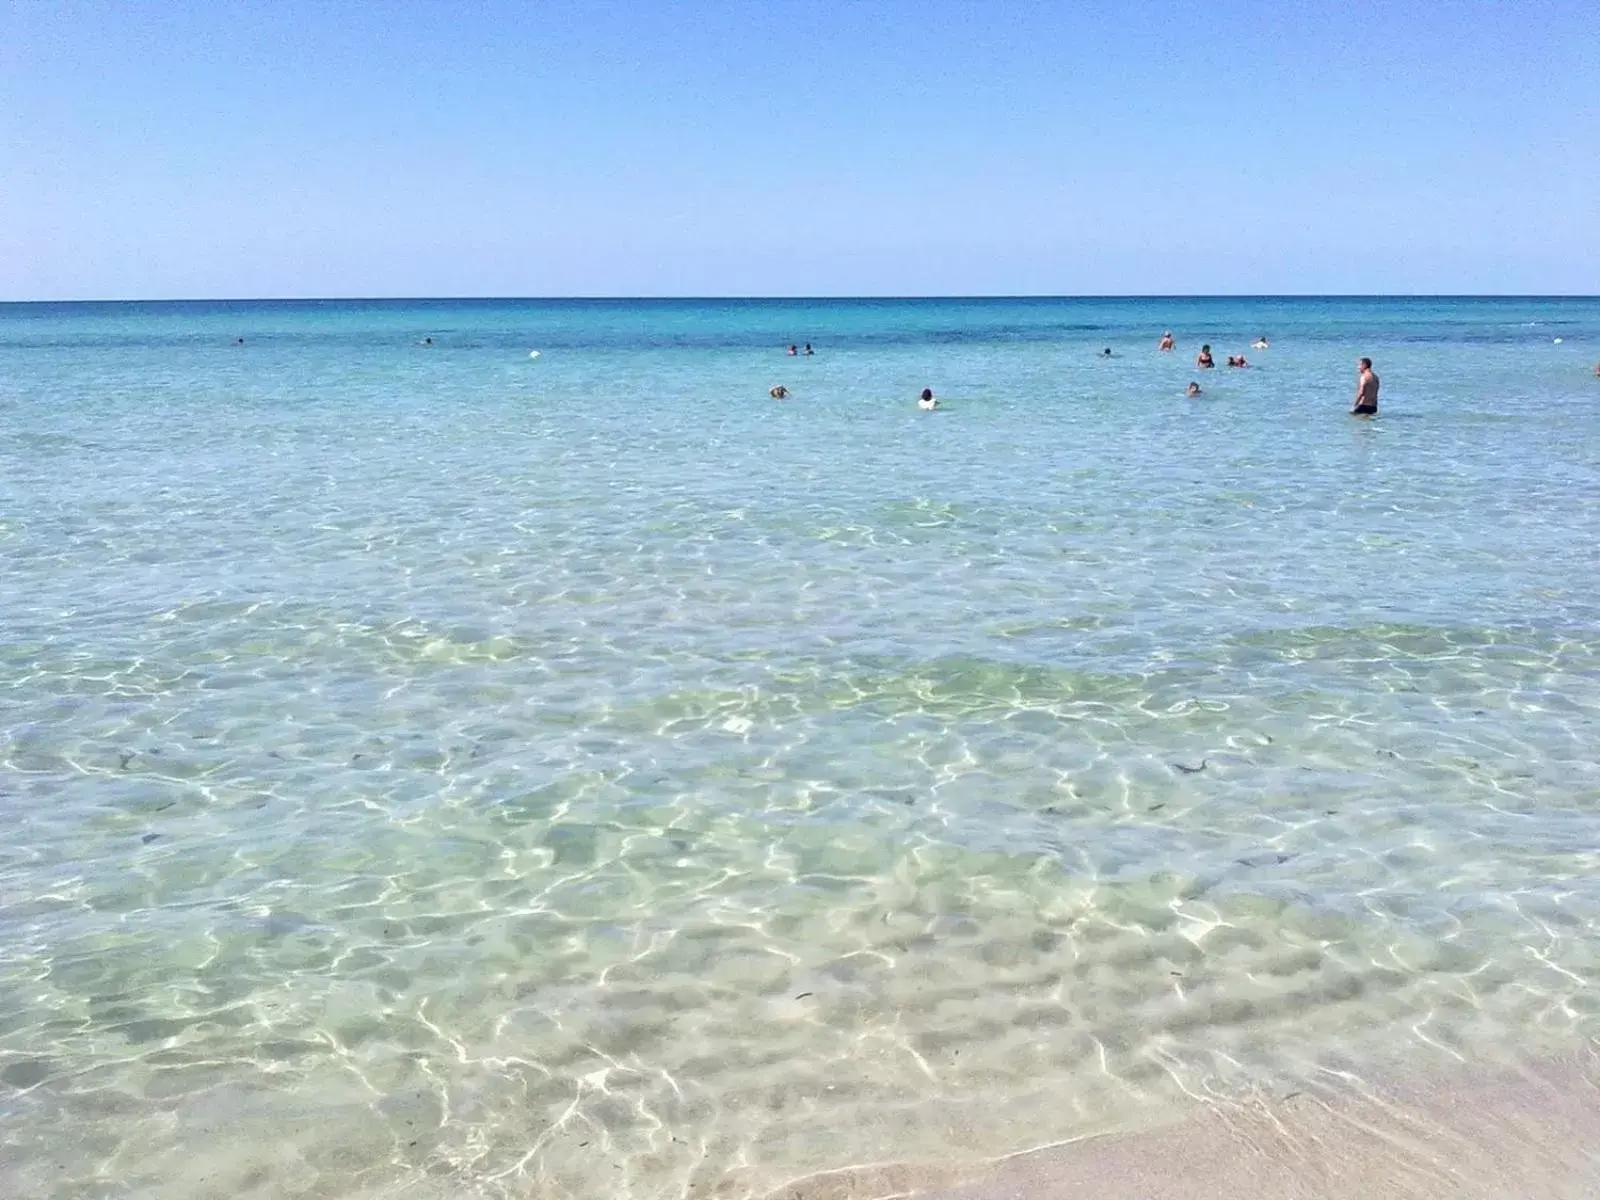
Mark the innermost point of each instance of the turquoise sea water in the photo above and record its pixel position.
(442, 771)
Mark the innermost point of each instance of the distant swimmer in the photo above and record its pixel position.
(240, 342)
(1237, 360)
(926, 402)
(1194, 389)
(809, 350)
(1204, 359)
(778, 393)
(1366, 391)
(1597, 370)
(1106, 353)
(1166, 341)
(793, 350)
(1260, 343)
(427, 341)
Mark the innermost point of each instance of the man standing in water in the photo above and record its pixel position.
(1366, 392)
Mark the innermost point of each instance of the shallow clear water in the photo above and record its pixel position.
(440, 770)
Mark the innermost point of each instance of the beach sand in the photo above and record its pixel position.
(1466, 1134)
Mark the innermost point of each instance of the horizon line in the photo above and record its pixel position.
(769, 299)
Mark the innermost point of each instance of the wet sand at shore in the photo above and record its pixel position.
(1469, 1134)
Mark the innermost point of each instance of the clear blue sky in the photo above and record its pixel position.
(774, 148)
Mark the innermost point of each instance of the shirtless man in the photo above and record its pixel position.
(1166, 341)
(1366, 392)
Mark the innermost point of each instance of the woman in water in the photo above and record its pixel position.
(926, 402)
(1260, 343)
(1194, 389)
(778, 392)
(1204, 359)
(1166, 341)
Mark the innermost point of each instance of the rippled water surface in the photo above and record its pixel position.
(434, 770)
